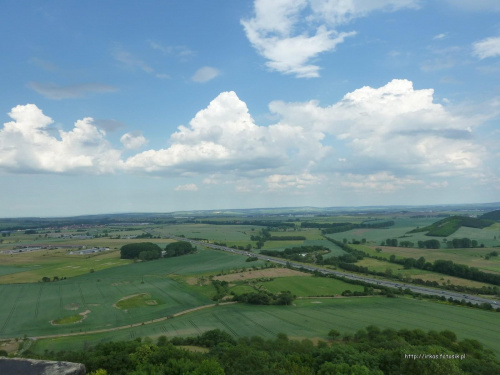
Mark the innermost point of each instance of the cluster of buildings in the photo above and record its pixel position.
(89, 251)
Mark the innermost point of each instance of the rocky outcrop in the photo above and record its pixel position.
(23, 366)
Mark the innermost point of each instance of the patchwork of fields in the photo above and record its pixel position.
(104, 292)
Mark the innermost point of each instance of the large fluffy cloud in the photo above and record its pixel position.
(290, 33)
(385, 138)
(224, 137)
(394, 127)
(27, 145)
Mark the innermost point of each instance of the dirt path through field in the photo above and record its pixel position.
(127, 326)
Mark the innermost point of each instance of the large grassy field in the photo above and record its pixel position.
(31, 267)
(29, 308)
(309, 318)
(310, 286)
(220, 233)
(473, 257)
(381, 266)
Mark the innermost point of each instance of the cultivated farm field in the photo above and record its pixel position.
(308, 318)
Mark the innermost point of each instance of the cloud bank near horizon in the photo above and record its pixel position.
(386, 138)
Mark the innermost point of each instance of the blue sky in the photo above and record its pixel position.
(158, 106)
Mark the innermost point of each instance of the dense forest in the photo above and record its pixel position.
(493, 215)
(450, 225)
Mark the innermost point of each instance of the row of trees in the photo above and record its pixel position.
(456, 243)
(446, 267)
(278, 225)
(428, 244)
(263, 297)
(328, 228)
(300, 253)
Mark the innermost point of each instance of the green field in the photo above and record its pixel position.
(33, 266)
(473, 257)
(310, 318)
(310, 286)
(219, 233)
(397, 269)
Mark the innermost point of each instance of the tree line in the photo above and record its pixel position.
(456, 243)
(329, 228)
(368, 351)
(300, 253)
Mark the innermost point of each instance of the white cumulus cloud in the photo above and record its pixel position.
(291, 33)
(27, 146)
(389, 138)
(224, 137)
(392, 126)
(133, 140)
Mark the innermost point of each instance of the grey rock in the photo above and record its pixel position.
(24, 366)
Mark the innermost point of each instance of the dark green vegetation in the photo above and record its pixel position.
(369, 351)
(266, 298)
(179, 248)
(450, 225)
(493, 215)
(303, 253)
(329, 228)
(141, 250)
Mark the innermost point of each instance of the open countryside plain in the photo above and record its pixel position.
(122, 297)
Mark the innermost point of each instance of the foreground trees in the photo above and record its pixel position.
(369, 351)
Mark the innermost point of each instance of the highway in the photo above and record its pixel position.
(388, 283)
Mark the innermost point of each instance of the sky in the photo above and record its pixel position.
(160, 106)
